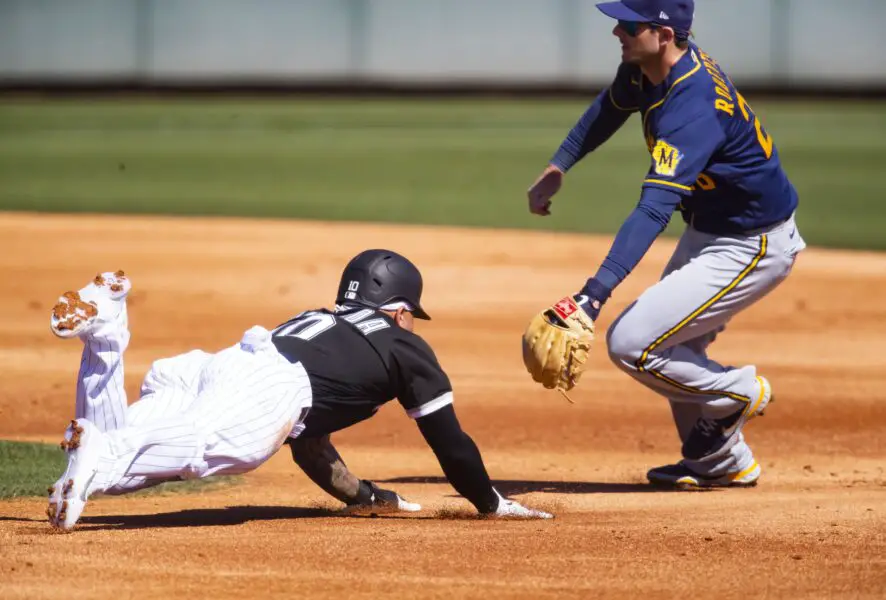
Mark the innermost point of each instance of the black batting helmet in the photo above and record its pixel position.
(376, 278)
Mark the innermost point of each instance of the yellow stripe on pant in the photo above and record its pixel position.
(641, 362)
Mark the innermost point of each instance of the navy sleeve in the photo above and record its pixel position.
(603, 118)
(636, 235)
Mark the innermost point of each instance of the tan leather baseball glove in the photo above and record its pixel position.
(556, 345)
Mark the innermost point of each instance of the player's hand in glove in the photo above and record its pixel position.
(558, 339)
(390, 499)
(556, 345)
(515, 510)
(544, 188)
(381, 500)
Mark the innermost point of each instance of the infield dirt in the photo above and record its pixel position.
(815, 527)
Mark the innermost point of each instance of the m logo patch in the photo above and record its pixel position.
(665, 158)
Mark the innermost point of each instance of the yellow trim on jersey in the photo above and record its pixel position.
(641, 362)
(616, 105)
(691, 72)
(670, 183)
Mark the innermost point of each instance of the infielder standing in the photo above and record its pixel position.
(223, 413)
(714, 162)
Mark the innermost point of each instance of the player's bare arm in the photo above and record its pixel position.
(322, 463)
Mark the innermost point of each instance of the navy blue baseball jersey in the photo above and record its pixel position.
(708, 145)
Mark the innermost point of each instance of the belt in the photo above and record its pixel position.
(748, 232)
(769, 227)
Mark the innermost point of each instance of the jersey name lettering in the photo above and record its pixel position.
(725, 103)
(367, 327)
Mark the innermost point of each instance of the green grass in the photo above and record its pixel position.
(28, 469)
(461, 162)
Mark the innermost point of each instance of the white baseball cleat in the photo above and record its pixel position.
(84, 445)
(102, 300)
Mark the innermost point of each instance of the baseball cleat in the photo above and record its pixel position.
(84, 445)
(680, 477)
(710, 435)
(78, 313)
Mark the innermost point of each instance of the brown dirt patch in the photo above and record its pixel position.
(815, 527)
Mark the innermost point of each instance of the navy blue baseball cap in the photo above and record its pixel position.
(676, 14)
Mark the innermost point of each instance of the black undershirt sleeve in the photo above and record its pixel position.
(459, 457)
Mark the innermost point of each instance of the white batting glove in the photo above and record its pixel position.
(544, 188)
(397, 501)
(513, 509)
(384, 501)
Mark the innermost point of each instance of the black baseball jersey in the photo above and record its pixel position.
(358, 359)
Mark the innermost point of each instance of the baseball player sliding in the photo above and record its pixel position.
(714, 162)
(223, 413)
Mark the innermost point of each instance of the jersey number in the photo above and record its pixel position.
(309, 325)
(764, 138)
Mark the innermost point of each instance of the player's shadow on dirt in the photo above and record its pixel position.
(508, 487)
(213, 517)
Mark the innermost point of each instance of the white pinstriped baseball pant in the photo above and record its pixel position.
(198, 414)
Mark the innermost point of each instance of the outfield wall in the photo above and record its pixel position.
(487, 42)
